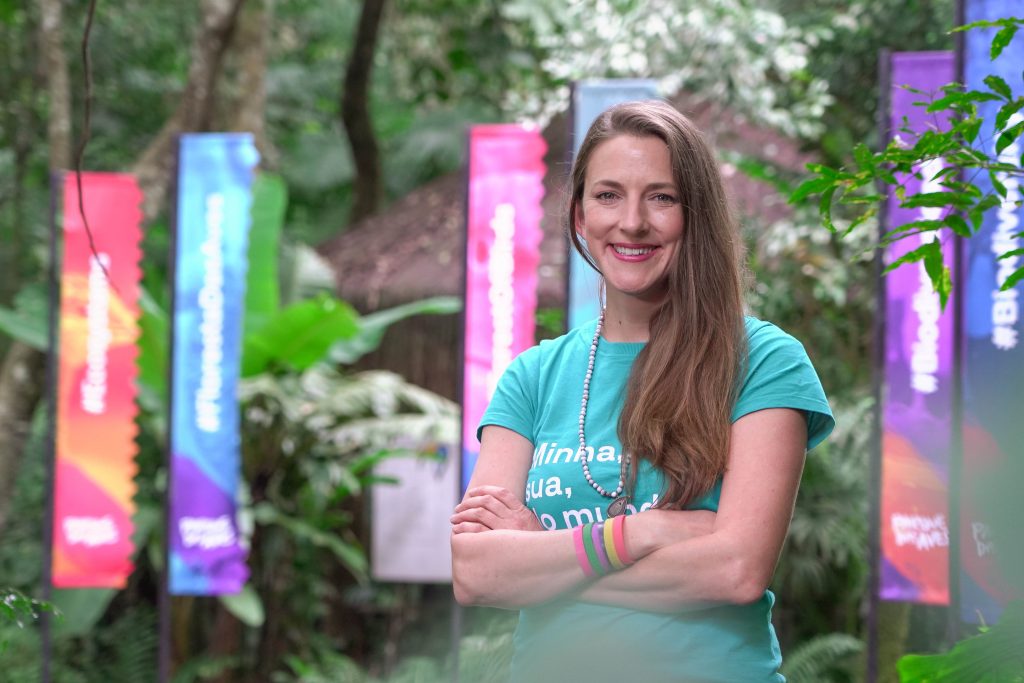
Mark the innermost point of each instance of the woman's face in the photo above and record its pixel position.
(631, 217)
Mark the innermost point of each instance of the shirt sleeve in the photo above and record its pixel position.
(780, 375)
(514, 404)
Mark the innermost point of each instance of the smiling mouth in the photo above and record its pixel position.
(632, 251)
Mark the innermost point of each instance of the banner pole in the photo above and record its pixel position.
(45, 623)
(878, 369)
(957, 446)
(164, 606)
(460, 396)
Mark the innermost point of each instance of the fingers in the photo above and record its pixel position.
(468, 528)
(476, 515)
(493, 498)
(499, 493)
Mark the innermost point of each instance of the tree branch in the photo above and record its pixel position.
(355, 111)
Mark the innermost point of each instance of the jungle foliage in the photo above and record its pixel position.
(313, 428)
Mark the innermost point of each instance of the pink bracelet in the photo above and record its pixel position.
(581, 552)
(619, 536)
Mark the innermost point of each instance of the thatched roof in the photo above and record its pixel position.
(414, 248)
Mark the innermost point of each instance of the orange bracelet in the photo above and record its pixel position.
(618, 534)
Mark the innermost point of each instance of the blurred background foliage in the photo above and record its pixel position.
(314, 427)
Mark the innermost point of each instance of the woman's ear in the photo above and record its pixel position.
(577, 219)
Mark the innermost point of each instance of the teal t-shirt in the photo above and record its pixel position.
(539, 397)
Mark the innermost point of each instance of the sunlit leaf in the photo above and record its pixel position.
(246, 606)
(998, 85)
(1002, 39)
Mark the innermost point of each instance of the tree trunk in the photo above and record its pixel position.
(196, 106)
(58, 131)
(248, 110)
(355, 112)
(20, 389)
(21, 370)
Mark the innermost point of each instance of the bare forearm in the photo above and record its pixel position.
(690, 574)
(513, 569)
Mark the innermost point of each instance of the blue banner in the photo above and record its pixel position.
(590, 98)
(993, 361)
(215, 173)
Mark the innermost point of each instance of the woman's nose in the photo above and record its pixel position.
(634, 218)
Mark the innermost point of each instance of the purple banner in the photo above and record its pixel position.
(917, 395)
(207, 556)
(993, 361)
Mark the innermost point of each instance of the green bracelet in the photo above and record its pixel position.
(588, 545)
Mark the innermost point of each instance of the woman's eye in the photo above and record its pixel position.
(664, 199)
(605, 196)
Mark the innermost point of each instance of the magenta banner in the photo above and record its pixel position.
(917, 393)
(503, 234)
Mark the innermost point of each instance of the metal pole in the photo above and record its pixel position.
(877, 379)
(51, 433)
(957, 449)
(165, 606)
(460, 395)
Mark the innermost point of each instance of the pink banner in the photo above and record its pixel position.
(99, 312)
(506, 173)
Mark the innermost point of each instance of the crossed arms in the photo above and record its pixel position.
(503, 557)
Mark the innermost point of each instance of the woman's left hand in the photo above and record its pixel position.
(488, 508)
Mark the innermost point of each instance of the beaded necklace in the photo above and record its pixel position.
(619, 502)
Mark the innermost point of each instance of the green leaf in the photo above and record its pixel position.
(825, 208)
(373, 326)
(82, 609)
(349, 554)
(930, 199)
(998, 85)
(1008, 110)
(946, 102)
(920, 226)
(969, 128)
(809, 187)
(27, 322)
(957, 224)
(863, 155)
(914, 255)
(153, 349)
(300, 335)
(1009, 136)
(997, 184)
(1002, 39)
(262, 295)
(1012, 279)
(246, 605)
(1011, 254)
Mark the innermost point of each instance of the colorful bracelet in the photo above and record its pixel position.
(619, 540)
(581, 553)
(588, 544)
(609, 545)
(597, 534)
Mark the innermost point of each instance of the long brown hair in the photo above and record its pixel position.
(682, 386)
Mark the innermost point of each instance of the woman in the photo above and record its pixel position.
(637, 476)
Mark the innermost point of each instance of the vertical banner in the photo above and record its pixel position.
(993, 364)
(95, 452)
(503, 234)
(215, 173)
(589, 99)
(917, 389)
